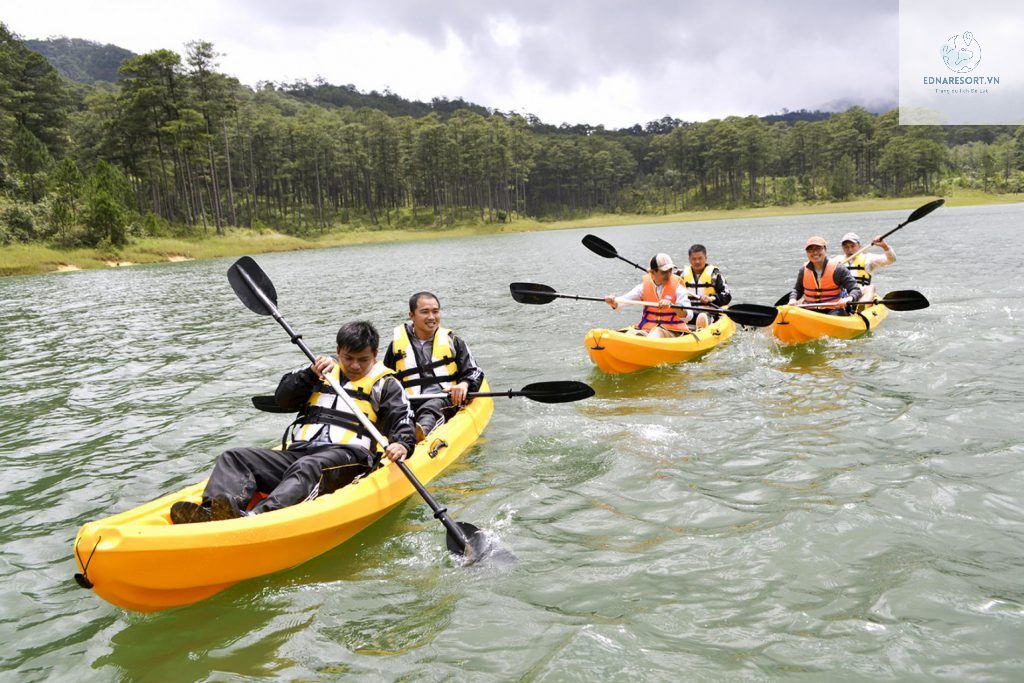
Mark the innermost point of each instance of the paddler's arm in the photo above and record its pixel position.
(683, 299)
(295, 388)
(844, 278)
(469, 371)
(389, 356)
(635, 294)
(723, 295)
(394, 417)
(889, 255)
(797, 292)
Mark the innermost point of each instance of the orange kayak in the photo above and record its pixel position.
(617, 352)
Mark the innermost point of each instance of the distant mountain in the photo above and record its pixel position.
(324, 93)
(82, 61)
(874, 106)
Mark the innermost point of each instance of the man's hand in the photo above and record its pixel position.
(879, 242)
(705, 299)
(664, 303)
(395, 452)
(458, 392)
(610, 300)
(322, 365)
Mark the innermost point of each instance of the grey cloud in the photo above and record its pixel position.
(801, 52)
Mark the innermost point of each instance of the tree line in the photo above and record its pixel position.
(177, 146)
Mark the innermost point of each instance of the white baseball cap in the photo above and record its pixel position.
(662, 262)
(850, 237)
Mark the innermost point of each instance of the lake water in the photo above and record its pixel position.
(846, 510)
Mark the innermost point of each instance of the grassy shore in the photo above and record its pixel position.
(26, 259)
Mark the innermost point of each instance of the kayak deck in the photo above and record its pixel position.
(796, 325)
(616, 352)
(138, 560)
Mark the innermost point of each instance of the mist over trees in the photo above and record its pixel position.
(177, 147)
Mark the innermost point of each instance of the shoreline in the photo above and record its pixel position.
(34, 259)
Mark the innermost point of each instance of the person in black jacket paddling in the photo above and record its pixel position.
(326, 447)
(430, 359)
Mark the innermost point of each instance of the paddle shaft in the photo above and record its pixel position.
(472, 394)
(440, 512)
(630, 302)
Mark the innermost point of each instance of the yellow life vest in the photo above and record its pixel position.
(407, 369)
(858, 267)
(326, 410)
(704, 285)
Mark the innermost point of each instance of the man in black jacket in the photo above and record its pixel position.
(430, 359)
(326, 447)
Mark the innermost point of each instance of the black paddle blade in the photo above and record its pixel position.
(905, 300)
(557, 392)
(531, 293)
(268, 404)
(244, 290)
(599, 246)
(752, 315)
(922, 211)
(482, 547)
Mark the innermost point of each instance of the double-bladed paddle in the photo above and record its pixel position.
(257, 292)
(919, 213)
(752, 315)
(542, 392)
(899, 300)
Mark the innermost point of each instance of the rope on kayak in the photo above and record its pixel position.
(83, 578)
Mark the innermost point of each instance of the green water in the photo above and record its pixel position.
(848, 510)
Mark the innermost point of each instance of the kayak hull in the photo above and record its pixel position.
(138, 560)
(616, 352)
(795, 325)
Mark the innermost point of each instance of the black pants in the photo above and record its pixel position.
(287, 477)
(429, 414)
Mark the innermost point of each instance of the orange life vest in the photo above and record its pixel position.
(663, 317)
(825, 289)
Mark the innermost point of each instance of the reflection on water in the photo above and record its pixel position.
(843, 508)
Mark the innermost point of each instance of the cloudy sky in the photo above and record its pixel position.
(606, 62)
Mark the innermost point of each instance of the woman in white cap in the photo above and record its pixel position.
(662, 285)
(863, 265)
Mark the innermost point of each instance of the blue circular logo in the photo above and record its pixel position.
(961, 53)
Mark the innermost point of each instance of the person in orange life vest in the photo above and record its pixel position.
(863, 266)
(326, 446)
(823, 280)
(705, 284)
(430, 359)
(662, 285)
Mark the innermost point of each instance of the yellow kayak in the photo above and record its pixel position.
(797, 325)
(617, 352)
(138, 560)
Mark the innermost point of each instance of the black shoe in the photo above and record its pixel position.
(223, 508)
(186, 512)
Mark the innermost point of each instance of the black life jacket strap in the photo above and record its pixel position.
(330, 416)
(402, 374)
(421, 381)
